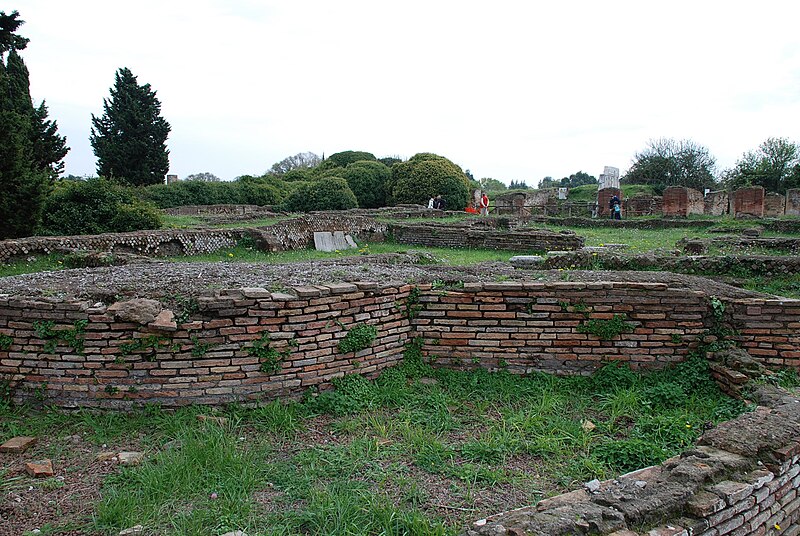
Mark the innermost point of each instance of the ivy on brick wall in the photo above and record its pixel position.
(606, 329)
(359, 337)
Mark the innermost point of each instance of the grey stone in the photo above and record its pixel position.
(136, 529)
(335, 241)
(138, 310)
(526, 261)
(593, 485)
(130, 458)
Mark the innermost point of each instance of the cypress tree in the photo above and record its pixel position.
(129, 140)
(31, 151)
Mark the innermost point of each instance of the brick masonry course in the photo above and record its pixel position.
(742, 480)
(209, 356)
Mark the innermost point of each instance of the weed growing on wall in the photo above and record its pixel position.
(269, 358)
(5, 341)
(413, 306)
(73, 336)
(148, 345)
(200, 348)
(360, 337)
(606, 329)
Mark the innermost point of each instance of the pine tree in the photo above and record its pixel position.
(31, 151)
(129, 140)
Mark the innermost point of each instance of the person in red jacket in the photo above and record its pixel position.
(484, 204)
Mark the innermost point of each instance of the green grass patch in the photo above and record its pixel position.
(188, 222)
(392, 456)
(32, 264)
(779, 285)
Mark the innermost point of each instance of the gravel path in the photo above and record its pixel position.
(163, 279)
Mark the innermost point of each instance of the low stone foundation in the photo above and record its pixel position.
(451, 236)
(742, 480)
(297, 233)
(684, 264)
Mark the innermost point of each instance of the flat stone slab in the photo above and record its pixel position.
(40, 469)
(130, 458)
(136, 529)
(333, 241)
(526, 261)
(16, 445)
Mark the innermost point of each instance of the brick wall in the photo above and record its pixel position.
(642, 205)
(204, 360)
(682, 202)
(749, 202)
(603, 196)
(449, 236)
(527, 327)
(207, 358)
(150, 243)
(774, 205)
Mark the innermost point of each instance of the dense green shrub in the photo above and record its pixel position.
(258, 191)
(246, 190)
(95, 206)
(330, 193)
(299, 174)
(368, 181)
(345, 158)
(426, 175)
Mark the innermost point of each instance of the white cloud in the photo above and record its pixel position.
(510, 89)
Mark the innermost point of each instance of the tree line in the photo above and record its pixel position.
(129, 141)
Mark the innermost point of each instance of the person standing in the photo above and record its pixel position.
(484, 204)
(431, 202)
(615, 207)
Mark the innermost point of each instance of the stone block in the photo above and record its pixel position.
(17, 445)
(793, 202)
(40, 469)
(716, 203)
(333, 241)
(681, 202)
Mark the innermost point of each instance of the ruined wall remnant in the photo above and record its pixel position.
(297, 233)
(642, 205)
(716, 203)
(749, 202)
(681, 202)
(774, 205)
(609, 178)
(213, 353)
(433, 235)
(793, 202)
(604, 195)
(742, 480)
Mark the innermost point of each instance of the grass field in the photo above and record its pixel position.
(418, 451)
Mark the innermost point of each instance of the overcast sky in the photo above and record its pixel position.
(513, 90)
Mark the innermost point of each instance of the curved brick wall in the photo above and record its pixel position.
(209, 357)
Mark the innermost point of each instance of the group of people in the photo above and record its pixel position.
(438, 202)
